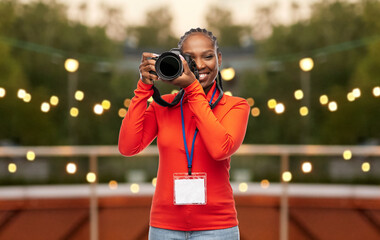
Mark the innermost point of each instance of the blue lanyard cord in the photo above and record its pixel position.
(190, 156)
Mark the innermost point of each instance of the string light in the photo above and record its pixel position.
(306, 64)
(298, 94)
(45, 107)
(228, 93)
(113, 185)
(366, 167)
(79, 95)
(347, 155)
(27, 98)
(323, 99)
(307, 167)
(98, 109)
(280, 108)
(122, 112)
(376, 91)
(272, 103)
(333, 106)
(106, 104)
(154, 182)
(243, 187)
(74, 112)
(304, 111)
(91, 177)
(30, 156)
(71, 168)
(264, 183)
(12, 167)
(54, 100)
(287, 176)
(356, 92)
(350, 96)
(255, 112)
(2, 92)
(127, 102)
(21, 93)
(71, 65)
(250, 101)
(135, 188)
(228, 74)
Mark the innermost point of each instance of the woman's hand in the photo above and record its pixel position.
(186, 78)
(147, 68)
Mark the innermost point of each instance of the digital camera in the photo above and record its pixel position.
(169, 65)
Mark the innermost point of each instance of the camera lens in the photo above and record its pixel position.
(169, 66)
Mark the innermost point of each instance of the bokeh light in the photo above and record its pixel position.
(323, 99)
(71, 168)
(255, 112)
(106, 104)
(306, 64)
(307, 167)
(356, 92)
(74, 112)
(30, 156)
(228, 74)
(264, 183)
(12, 167)
(154, 182)
(54, 100)
(2, 92)
(45, 107)
(135, 188)
(366, 167)
(71, 65)
(98, 109)
(287, 176)
(347, 155)
(272, 103)
(113, 185)
(250, 101)
(298, 94)
(122, 112)
(243, 187)
(333, 106)
(304, 111)
(350, 96)
(21, 93)
(376, 91)
(91, 177)
(79, 95)
(280, 108)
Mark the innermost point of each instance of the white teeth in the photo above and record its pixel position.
(203, 75)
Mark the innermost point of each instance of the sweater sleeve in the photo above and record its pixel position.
(139, 126)
(222, 137)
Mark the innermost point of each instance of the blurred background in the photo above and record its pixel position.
(309, 70)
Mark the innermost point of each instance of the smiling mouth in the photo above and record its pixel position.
(203, 76)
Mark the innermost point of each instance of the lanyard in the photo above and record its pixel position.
(190, 156)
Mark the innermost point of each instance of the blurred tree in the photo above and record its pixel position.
(156, 33)
(220, 22)
(43, 28)
(329, 36)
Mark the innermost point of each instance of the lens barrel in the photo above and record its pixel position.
(169, 66)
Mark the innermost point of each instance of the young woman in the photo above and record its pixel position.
(196, 138)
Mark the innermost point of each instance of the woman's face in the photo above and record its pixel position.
(203, 52)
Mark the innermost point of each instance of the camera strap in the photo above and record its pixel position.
(158, 99)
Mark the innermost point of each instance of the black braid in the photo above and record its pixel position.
(206, 33)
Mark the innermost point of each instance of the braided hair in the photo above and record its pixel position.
(209, 35)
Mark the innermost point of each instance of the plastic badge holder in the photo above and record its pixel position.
(190, 189)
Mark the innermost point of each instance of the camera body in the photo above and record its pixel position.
(169, 65)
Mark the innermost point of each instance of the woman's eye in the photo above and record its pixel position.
(209, 56)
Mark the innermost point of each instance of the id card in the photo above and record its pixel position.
(190, 189)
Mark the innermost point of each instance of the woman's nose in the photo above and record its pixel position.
(200, 64)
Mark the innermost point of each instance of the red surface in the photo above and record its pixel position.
(128, 218)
